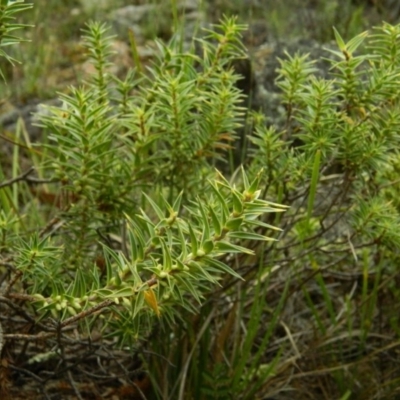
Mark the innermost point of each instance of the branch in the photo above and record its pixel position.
(25, 177)
(86, 313)
(21, 177)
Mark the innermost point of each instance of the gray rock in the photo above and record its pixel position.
(91, 5)
(128, 18)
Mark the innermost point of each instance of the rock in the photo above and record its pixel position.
(90, 6)
(129, 18)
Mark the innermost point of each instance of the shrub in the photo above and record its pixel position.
(129, 239)
(140, 225)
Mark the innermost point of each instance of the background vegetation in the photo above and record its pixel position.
(131, 268)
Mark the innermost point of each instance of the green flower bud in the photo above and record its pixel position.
(71, 310)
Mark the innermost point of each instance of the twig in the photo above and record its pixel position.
(69, 373)
(86, 313)
(62, 326)
(40, 180)
(20, 296)
(31, 338)
(21, 177)
(1, 338)
(73, 384)
(51, 227)
(21, 312)
(27, 372)
(12, 282)
(24, 146)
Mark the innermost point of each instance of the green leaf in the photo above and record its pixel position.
(314, 182)
(104, 292)
(220, 266)
(216, 222)
(155, 207)
(79, 286)
(197, 269)
(226, 247)
(339, 40)
(354, 43)
(256, 182)
(234, 224)
(183, 242)
(259, 207)
(204, 221)
(167, 259)
(208, 246)
(249, 236)
(111, 254)
(138, 304)
(137, 231)
(186, 283)
(123, 292)
(222, 202)
(193, 240)
(177, 204)
(237, 203)
(257, 222)
(246, 182)
(133, 245)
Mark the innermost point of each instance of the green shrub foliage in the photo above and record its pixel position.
(143, 222)
(336, 155)
(141, 228)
